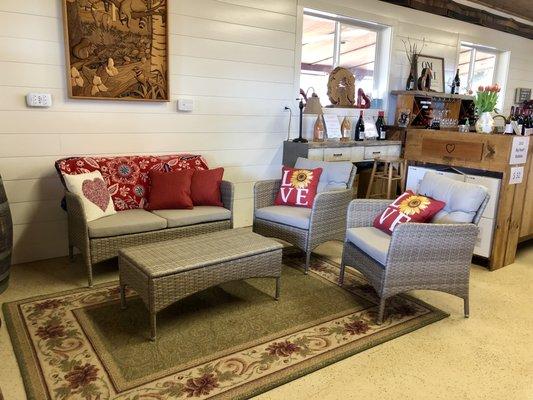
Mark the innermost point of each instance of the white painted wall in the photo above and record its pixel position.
(235, 58)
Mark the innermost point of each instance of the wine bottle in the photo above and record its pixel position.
(508, 122)
(456, 83)
(360, 128)
(519, 121)
(380, 126)
(528, 124)
(410, 85)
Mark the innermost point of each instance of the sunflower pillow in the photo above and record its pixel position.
(298, 187)
(409, 207)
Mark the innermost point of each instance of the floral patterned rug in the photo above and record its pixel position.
(228, 342)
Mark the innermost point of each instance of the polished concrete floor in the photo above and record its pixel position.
(488, 356)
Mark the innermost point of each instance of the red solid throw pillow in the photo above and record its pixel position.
(298, 187)
(205, 187)
(170, 190)
(409, 207)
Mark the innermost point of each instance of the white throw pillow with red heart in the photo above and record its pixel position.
(92, 190)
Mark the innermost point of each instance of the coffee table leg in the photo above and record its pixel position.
(123, 297)
(153, 318)
(278, 287)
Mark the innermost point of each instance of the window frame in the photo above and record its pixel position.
(471, 67)
(339, 20)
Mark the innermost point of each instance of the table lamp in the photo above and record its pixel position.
(311, 106)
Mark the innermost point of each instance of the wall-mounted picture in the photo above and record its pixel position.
(436, 65)
(117, 49)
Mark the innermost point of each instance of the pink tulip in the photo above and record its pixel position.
(481, 89)
(497, 88)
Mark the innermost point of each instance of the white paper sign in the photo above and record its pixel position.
(517, 175)
(370, 127)
(333, 127)
(519, 150)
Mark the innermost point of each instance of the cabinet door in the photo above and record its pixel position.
(493, 187)
(316, 154)
(338, 154)
(358, 154)
(394, 150)
(484, 239)
(372, 152)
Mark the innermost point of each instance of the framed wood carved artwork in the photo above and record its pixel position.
(117, 49)
(436, 65)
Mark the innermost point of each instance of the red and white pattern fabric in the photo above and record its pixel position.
(409, 207)
(127, 176)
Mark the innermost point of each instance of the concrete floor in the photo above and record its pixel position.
(488, 356)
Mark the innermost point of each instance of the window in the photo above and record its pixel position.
(330, 41)
(477, 66)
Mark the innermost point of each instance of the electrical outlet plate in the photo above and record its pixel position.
(39, 100)
(185, 104)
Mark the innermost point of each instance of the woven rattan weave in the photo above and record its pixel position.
(94, 250)
(163, 273)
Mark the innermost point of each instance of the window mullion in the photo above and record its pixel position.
(471, 68)
(337, 45)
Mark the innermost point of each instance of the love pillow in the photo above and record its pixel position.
(298, 187)
(93, 192)
(409, 207)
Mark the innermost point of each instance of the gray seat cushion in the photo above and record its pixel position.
(297, 217)
(126, 222)
(335, 175)
(372, 241)
(462, 199)
(198, 215)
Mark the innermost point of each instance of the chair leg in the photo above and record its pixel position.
(89, 273)
(371, 181)
(466, 306)
(381, 311)
(307, 261)
(341, 273)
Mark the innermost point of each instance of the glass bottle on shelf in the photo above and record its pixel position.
(346, 128)
(410, 84)
(456, 83)
(360, 128)
(319, 130)
(380, 126)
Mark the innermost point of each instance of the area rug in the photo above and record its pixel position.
(232, 341)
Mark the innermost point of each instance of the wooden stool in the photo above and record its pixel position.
(387, 174)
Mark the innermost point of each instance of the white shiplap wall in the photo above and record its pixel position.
(234, 58)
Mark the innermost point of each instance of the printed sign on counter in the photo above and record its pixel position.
(517, 175)
(333, 127)
(519, 150)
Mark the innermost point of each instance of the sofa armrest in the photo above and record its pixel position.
(227, 192)
(362, 212)
(265, 193)
(423, 246)
(78, 231)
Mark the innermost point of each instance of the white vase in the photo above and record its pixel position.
(485, 123)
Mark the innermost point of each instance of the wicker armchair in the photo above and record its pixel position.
(429, 256)
(327, 219)
(94, 250)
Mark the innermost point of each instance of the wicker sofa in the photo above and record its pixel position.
(101, 239)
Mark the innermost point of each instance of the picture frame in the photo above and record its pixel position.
(437, 66)
(117, 52)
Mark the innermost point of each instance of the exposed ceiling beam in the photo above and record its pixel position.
(461, 12)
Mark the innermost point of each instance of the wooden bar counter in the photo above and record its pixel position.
(514, 218)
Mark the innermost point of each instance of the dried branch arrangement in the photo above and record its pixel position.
(413, 52)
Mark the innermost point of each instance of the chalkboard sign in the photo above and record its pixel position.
(521, 95)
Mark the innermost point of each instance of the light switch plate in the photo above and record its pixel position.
(39, 100)
(185, 104)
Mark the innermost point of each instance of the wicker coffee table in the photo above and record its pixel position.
(165, 272)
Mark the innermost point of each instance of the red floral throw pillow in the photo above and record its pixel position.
(205, 187)
(298, 187)
(409, 207)
(170, 190)
(127, 176)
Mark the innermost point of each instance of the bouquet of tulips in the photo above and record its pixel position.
(486, 98)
